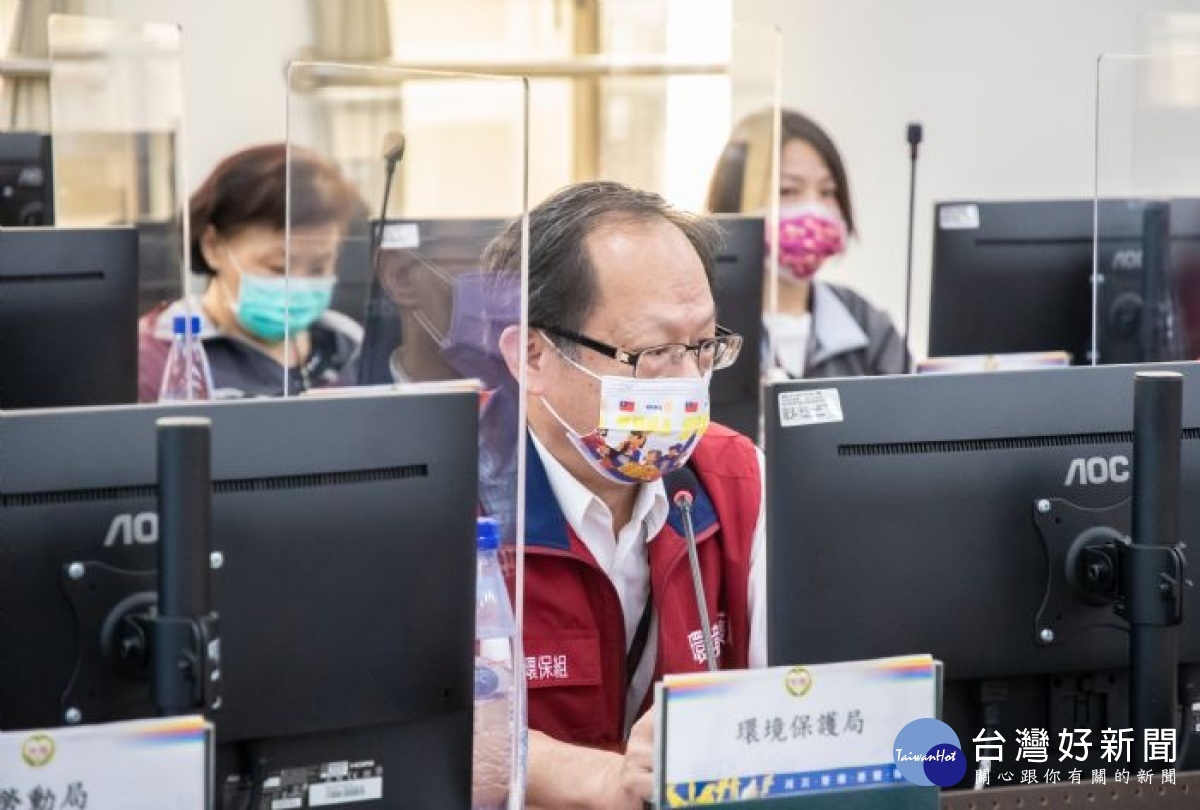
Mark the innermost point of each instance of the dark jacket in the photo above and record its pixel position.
(241, 369)
(850, 337)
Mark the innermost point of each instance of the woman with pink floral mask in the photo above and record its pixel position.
(821, 329)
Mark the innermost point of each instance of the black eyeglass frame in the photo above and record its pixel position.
(732, 340)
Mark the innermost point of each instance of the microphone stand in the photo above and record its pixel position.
(914, 134)
(392, 155)
(683, 500)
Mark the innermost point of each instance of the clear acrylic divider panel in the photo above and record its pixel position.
(117, 118)
(687, 105)
(434, 165)
(1146, 249)
(756, 75)
(671, 88)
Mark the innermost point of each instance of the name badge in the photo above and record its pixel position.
(135, 765)
(787, 731)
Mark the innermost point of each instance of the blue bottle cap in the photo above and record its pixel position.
(179, 325)
(487, 682)
(487, 533)
(195, 324)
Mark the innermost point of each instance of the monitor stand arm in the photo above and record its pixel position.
(186, 650)
(1100, 572)
(1153, 566)
(129, 632)
(115, 613)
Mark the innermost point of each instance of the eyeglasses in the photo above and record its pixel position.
(663, 360)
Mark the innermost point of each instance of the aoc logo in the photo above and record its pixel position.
(1130, 259)
(1098, 470)
(927, 752)
(128, 529)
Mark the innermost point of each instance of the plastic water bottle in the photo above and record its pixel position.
(495, 631)
(187, 376)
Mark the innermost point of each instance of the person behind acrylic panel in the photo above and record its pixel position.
(821, 329)
(622, 342)
(255, 317)
(446, 310)
(450, 315)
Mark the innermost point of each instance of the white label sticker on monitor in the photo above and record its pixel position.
(810, 407)
(400, 236)
(958, 217)
(335, 770)
(345, 791)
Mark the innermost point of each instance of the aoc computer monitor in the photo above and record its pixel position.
(738, 290)
(26, 179)
(345, 596)
(904, 519)
(1016, 276)
(68, 317)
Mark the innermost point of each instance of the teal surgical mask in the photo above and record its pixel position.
(269, 307)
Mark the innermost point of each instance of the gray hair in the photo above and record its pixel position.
(562, 281)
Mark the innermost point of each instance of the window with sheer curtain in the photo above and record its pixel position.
(26, 91)
(588, 119)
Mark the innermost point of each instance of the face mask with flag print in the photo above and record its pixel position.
(647, 427)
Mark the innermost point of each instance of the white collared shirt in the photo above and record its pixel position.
(788, 335)
(625, 559)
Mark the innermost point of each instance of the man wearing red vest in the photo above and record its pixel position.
(622, 342)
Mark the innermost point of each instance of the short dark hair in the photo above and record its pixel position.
(562, 283)
(728, 187)
(249, 189)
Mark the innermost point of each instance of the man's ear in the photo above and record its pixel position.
(393, 268)
(537, 355)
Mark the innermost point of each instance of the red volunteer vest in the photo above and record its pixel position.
(574, 633)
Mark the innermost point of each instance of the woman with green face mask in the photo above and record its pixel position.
(259, 317)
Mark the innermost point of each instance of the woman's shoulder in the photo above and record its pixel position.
(859, 306)
(886, 349)
(850, 298)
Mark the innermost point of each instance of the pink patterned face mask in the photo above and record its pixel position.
(808, 235)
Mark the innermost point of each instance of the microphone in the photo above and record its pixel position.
(393, 148)
(392, 153)
(683, 500)
(914, 135)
